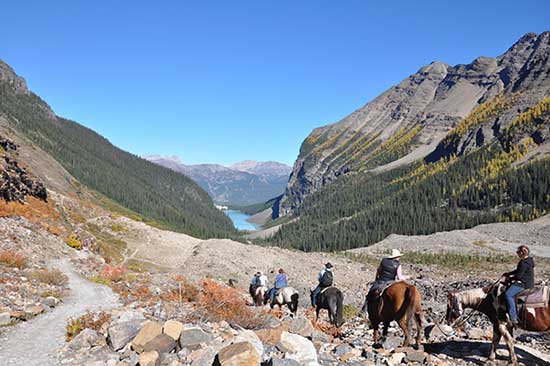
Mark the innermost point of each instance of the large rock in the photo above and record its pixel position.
(147, 333)
(192, 338)
(162, 343)
(151, 358)
(173, 328)
(5, 319)
(85, 339)
(271, 336)
(239, 354)
(121, 333)
(250, 336)
(302, 326)
(298, 348)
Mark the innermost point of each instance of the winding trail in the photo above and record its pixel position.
(38, 341)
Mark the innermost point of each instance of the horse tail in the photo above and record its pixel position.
(339, 308)
(414, 310)
(294, 299)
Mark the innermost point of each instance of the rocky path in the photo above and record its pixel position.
(37, 342)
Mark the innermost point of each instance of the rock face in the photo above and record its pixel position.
(149, 331)
(15, 182)
(415, 115)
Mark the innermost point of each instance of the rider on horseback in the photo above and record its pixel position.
(258, 280)
(523, 277)
(280, 281)
(325, 279)
(388, 271)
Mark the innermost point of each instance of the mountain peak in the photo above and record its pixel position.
(8, 75)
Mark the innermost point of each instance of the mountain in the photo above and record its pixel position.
(241, 184)
(449, 147)
(153, 192)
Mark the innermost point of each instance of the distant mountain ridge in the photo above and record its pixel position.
(240, 184)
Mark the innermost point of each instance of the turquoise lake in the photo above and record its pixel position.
(239, 220)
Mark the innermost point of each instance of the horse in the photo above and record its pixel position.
(332, 300)
(284, 296)
(258, 294)
(400, 302)
(488, 301)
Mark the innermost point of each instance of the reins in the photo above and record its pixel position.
(463, 320)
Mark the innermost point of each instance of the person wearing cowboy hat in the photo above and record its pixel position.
(388, 271)
(325, 280)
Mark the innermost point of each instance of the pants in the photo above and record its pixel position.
(314, 294)
(272, 293)
(510, 293)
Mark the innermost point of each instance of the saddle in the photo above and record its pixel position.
(537, 297)
(323, 290)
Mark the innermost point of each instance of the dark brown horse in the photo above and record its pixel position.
(332, 300)
(400, 302)
(489, 302)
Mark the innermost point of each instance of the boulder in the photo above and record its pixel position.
(50, 301)
(239, 354)
(285, 362)
(5, 319)
(298, 348)
(162, 343)
(120, 334)
(173, 328)
(250, 336)
(192, 338)
(85, 339)
(147, 333)
(33, 310)
(302, 326)
(396, 358)
(271, 336)
(151, 358)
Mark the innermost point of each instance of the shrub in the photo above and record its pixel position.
(218, 302)
(73, 241)
(49, 276)
(113, 273)
(11, 258)
(90, 320)
(117, 228)
(350, 312)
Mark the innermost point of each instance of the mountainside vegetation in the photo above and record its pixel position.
(154, 192)
(505, 180)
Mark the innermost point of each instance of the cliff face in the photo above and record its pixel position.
(412, 120)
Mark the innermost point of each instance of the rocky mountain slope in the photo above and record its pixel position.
(448, 148)
(410, 120)
(155, 193)
(241, 184)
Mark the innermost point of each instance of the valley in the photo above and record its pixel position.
(112, 259)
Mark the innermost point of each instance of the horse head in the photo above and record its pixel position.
(454, 308)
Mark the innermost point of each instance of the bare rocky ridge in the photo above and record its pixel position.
(427, 105)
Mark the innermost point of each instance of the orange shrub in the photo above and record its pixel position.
(90, 320)
(11, 258)
(113, 273)
(218, 302)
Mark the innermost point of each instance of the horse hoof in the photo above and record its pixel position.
(377, 345)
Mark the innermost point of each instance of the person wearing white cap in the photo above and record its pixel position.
(258, 280)
(388, 271)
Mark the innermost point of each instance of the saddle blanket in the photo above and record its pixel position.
(537, 297)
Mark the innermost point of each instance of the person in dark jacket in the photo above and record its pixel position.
(325, 280)
(388, 271)
(522, 278)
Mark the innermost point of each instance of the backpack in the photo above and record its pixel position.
(326, 280)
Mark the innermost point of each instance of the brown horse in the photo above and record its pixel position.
(400, 302)
(489, 302)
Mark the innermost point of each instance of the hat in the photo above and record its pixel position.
(328, 265)
(395, 253)
(258, 273)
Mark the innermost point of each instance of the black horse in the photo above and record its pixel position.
(331, 299)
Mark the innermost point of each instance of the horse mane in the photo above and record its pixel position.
(471, 297)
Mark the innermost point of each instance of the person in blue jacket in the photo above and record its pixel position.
(281, 281)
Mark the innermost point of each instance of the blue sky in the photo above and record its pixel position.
(224, 81)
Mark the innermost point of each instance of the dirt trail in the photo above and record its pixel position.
(38, 341)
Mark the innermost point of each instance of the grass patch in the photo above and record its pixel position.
(350, 312)
(89, 320)
(109, 247)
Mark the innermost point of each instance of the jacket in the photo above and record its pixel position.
(524, 273)
(388, 270)
(281, 281)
